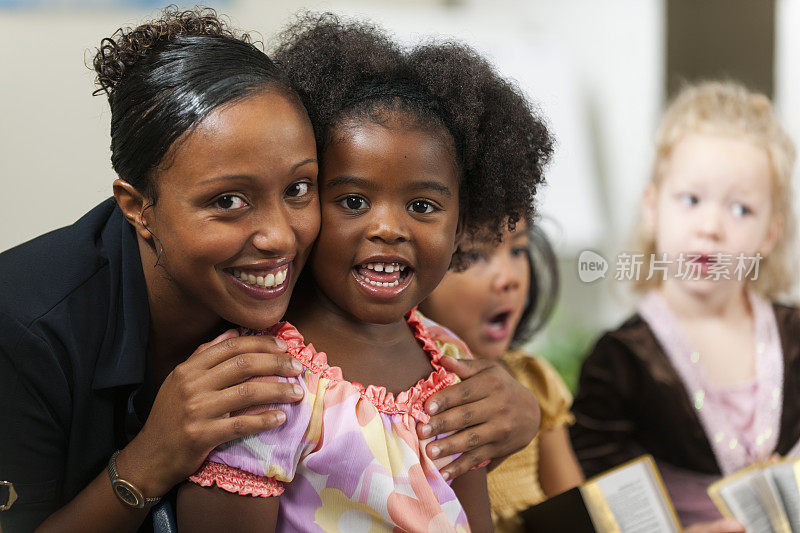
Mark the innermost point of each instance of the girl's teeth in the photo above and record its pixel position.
(385, 267)
(265, 282)
(394, 283)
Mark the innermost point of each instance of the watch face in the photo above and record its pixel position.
(127, 496)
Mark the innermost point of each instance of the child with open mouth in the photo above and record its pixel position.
(505, 295)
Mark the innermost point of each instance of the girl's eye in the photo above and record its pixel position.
(519, 251)
(354, 203)
(688, 199)
(298, 190)
(421, 207)
(230, 201)
(740, 210)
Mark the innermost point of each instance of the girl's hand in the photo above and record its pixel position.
(492, 413)
(191, 413)
(724, 525)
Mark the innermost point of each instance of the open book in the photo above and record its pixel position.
(630, 498)
(765, 498)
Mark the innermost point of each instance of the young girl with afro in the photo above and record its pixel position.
(705, 376)
(417, 148)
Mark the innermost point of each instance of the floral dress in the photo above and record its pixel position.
(348, 457)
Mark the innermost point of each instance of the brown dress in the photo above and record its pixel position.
(632, 401)
(514, 485)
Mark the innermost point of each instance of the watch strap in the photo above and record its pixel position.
(126, 491)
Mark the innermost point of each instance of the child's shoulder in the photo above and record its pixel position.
(541, 378)
(633, 343)
(630, 332)
(306, 354)
(787, 317)
(445, 340)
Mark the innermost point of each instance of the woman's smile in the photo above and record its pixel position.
(263, 281)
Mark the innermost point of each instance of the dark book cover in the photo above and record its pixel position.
(565, 512)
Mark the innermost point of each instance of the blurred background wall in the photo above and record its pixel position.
(600, 71)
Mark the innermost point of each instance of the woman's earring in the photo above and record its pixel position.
(160, 246)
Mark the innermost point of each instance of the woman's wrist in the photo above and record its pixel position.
(142, 466)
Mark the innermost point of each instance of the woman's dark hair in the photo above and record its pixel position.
(346, 72)
(163, 77)
(543, 289)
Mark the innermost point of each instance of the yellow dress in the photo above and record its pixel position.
(514, 485)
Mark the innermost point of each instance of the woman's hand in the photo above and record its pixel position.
(492, 413)
(191, 413)
(724, 525)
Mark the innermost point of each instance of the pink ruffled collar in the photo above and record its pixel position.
(409, 402)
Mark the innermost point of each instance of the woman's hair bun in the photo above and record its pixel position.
(126, 46)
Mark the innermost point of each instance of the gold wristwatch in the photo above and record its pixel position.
(127, 492)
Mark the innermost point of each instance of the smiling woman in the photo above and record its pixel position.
(105, 324)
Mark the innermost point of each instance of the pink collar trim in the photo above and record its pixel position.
(731, 454)
(409, 402)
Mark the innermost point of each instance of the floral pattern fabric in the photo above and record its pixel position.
(348, 457)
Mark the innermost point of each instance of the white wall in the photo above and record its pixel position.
(595, 67)
(787, 82)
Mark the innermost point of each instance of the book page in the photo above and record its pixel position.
(782, 476)
(741, 498)
(771, 501)
(635, 497)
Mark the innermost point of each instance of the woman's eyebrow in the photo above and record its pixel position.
(304, 162)
(225, 177)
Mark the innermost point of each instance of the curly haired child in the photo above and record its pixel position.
(416, 148)
(705, 376)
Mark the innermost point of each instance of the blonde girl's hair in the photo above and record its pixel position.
(729, 108)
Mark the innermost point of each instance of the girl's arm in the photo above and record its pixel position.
(213, 509)
(188, 419)
(558, 467)
(492, 414)
(474, 497)
(605, 425)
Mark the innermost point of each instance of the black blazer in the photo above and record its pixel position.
(75, 380)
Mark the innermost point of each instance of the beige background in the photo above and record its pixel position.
(595, 68)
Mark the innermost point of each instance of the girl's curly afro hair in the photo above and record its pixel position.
(351, 71)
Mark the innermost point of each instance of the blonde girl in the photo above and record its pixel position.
(705, 375)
